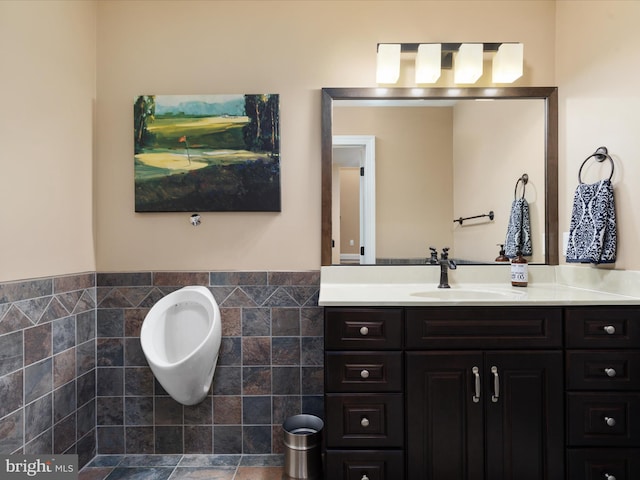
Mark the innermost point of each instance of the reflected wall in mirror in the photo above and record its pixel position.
(439, 155)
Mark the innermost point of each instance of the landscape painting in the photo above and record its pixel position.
(199, 153)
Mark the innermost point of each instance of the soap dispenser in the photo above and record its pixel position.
(502, 257)
(519, 271)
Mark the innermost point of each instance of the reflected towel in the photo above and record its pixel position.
(518, 230)
(593, 231)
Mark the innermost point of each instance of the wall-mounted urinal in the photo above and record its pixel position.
(181, 338)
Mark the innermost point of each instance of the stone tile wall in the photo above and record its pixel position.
(73, 378)
(48, 366)
(270, 364)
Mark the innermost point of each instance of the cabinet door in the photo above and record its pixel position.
(444, 416)
(525, 420)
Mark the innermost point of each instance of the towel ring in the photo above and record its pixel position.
(524, 179)
(601, 154)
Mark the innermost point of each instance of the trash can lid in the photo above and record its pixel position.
(303, 424)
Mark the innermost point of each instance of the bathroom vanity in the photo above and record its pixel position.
(495, 383)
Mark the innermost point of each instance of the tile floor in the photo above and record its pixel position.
(179, 467)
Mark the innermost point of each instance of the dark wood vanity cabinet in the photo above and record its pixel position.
(603, 393)
(491, 413)
(482, 393)
(364, 403)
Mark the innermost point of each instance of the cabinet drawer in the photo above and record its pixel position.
(604, 419)
(363, 372)
(364, 420)
(363, 328)
(603, 370)
(473, 327)
(597, 463)
(360, 464)
(603, 327)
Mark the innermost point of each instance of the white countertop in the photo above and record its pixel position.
(470, 285)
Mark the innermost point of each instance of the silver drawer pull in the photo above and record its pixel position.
(606, 475)
(476, 397)
(496, 384)
(364, 477)
(364, 373)
(364, 331)
(610, 421)
(611, 372)
(610, 329)
(364, 422)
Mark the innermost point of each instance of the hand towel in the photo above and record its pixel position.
(518, 230)
(593, 231)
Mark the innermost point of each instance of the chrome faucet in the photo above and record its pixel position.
(445, 265)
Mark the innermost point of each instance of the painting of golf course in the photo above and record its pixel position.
(207, 153)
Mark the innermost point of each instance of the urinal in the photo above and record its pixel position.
(181, 338)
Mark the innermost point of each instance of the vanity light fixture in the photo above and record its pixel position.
(428, 62)
(467, 65)
(507, 63)
(466, 60)
(388, 63)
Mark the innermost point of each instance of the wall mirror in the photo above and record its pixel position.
(402, 166)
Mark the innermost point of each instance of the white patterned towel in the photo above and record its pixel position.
(592, 234)
(518, 230)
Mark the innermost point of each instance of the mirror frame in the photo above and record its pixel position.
(548, 94)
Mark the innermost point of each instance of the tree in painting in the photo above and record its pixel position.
(261, 133)
(144, 110)
(207, 153)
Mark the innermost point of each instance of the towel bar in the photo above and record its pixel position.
(460, 220)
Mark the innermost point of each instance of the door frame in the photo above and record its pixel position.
(367, 191)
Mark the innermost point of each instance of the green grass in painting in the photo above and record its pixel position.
(218, 174)
(209, 132)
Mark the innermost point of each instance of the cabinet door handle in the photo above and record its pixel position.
(364, 477)
(364, 331)
(364, 373)
(611, 372)
(364, 421)
(476, 374)
(610, 329)
(610, 421)
(496, 384)
(606, 475)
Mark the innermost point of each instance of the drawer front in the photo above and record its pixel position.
(363, 372)
(363, 328)
(603, 370)
(365, 464)
(603, 327)
(493, 327)
(603, 463)
(605, 419)
(364, 420)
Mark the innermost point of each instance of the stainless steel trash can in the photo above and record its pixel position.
(303, 443)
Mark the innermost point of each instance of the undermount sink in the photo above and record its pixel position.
(468, 294)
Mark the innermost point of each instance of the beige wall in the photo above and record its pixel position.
(291, 48)
(350, 210)
(494, 144)
(598, 76)
(414, 175)
(47, 93)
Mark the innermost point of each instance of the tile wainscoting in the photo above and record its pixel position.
(48, 366)
(73, 378)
